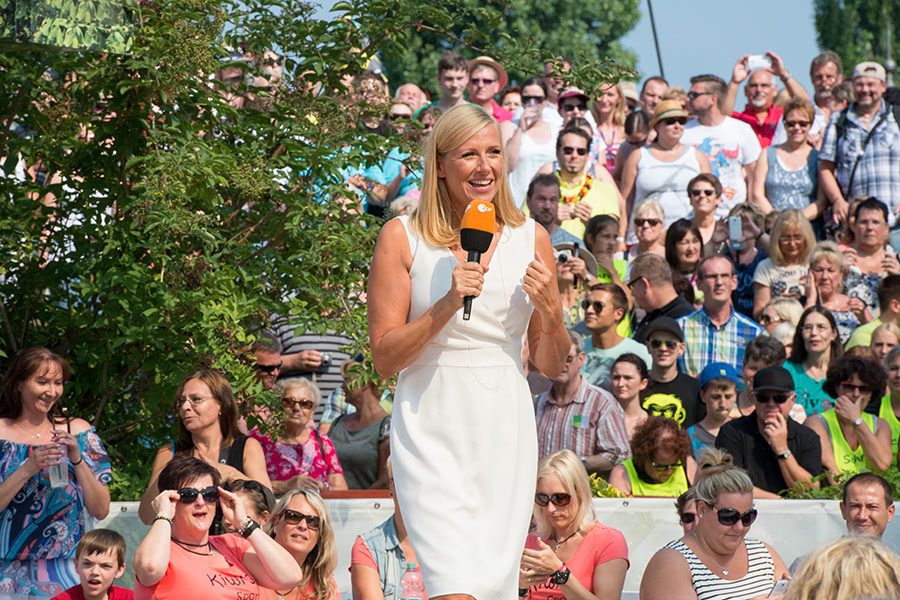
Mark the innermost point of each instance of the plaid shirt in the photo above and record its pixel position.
(705, 343)
(878, 173)
(590, 423)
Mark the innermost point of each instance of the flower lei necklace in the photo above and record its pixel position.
(580, 195)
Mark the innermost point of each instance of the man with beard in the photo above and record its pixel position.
(542, 199)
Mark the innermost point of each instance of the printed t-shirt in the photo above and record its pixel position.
(601, 544)
(361, 555)
(76, 593)
(810, 393)
(783, 281)
(677, 399)
(192, 576)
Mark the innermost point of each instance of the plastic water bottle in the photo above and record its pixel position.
(411, 585)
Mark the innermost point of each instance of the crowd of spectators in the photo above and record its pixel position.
(731, 289)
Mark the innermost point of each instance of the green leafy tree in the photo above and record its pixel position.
(856, 29)
(166, 215)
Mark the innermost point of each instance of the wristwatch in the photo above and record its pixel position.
(786, 454)
(249, 527)
(858, 422)
(561, 576)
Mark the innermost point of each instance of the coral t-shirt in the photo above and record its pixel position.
(191, 576)
(600, 545)
(361, 555)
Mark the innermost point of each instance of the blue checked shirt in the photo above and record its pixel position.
(705, 344)
(878, 173)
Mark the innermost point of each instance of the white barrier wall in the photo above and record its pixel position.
(792, 527)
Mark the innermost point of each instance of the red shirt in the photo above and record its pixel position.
(764, 131)
(500, 113)
(76, 593)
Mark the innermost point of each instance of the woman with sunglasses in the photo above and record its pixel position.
(816, 344)
(572, 555)
(208, 430)
(42, 524)
(301, 456)
(302, 526)
(529, 143)
(851, 437)
(782, 309)
(660, 463)
(686, 507)
(825, 286)
(785, 271)
(705, 194)
(648, 228)
(179, 559)
(786, 175)
(663, 169)
(716, 560)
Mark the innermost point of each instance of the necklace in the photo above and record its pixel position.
(282, 595)
(33, 434)
(185, 546)
(709, 555)
(560, 543)
(580, 194)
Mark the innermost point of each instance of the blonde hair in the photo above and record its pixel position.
(321, 562)
(791, 217)
(789, 309)
(568, 468)
(647, 205)
(849, 568)
(830, 252)
(618, 116)
(717, 475)
(890, 328)
(435, 219)
(283, 387)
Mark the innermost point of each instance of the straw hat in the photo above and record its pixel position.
(666, 110)
(487, 61)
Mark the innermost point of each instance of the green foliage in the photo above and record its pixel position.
(833, 492)
(856, 29)
(99, 25)
(173, 223)
(600, 488)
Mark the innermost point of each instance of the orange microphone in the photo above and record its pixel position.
(475, 237)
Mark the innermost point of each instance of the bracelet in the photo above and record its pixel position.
(80, 460)
(249, 527)
(161, 518)
(555, 328)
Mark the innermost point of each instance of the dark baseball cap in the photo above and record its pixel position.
(663, 324)
(775, 378)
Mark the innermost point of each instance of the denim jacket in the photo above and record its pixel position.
(384, 545)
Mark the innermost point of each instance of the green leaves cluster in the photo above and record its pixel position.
(857, 29)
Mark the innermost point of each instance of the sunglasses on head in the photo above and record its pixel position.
(567, 150)
(189, 495)
(556, 499)
(673, 120)
(657, 344)
(268, 368)
(571, 107)
(595, 304)
(763, 398)
(730, 516)
(292, 517)
(687, 518)
(704, 192)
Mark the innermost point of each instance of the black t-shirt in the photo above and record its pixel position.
(676, 308)
(686, 389)
(742, 439)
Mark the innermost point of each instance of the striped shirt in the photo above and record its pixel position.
(758, 581)
(704, 343)
(591, 422)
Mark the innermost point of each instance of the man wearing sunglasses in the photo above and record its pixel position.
(572, 102)
(665, 341)
(776, 451)
(486, 78)
(268, 361)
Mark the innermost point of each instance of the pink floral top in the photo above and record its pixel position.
(284, 461)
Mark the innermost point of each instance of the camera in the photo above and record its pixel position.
(326, 359)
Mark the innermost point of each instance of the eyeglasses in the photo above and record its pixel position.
(268, 368)
(730, 516)
(395, 116)
(651, 222)
(532, 99)
(304, 404)
(862, 389)
(189, 495)
(633, 283)
(657, 344)
(481, 81)
(193, 400)
(556, 499)
(673, 120)
(567, 150)
(789, 124)
(764, 398)
(704, 192)
(695, 95)
(571, 107)
(595, 304)
(687, 518)
(292, 517)
(666, 467)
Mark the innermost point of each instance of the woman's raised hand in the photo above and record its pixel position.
(233, 512)
(540, 285)
(164, 504)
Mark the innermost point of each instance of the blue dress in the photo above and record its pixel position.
(41, 526)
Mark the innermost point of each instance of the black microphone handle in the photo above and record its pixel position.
(474, 256)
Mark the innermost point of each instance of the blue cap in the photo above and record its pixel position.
(719, 370)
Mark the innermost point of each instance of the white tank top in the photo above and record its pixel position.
(666, 182)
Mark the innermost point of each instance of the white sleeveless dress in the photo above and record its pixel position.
(463, 436)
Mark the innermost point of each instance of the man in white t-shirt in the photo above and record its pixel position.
(731, 145)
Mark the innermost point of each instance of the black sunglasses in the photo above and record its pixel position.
(730, 516)
(268, 368)
(862, 389)
(595, 304)
(292, 517)
(673, 120)
(687, 518)
(571, 107)
(657, 344)
(567, 150)
(695, 95)
(189, 495)
(666, 467)
(704, 192)
(651, 222)
(556, 499)
(534, 99)
(763, 398)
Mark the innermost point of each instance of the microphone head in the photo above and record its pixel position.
(477, 226)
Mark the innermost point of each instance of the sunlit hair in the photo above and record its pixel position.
(787, 308)
(322, 560)
(847, 569)
(228, 410)
(647, 206)
(101, 541)
(748, 210)
(717, 475)
(708, 178)
(653, 268)
(568, 468)
(435, 219)
(798, 347)
(618, 116)
(659, 433)
(829, 251)
(802, 105)
(299, 383)
(891, 328)
(27, 363)
(791, 217)
(892, 355)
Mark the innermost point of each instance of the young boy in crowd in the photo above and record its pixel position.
(99, 559)
(718, 391)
